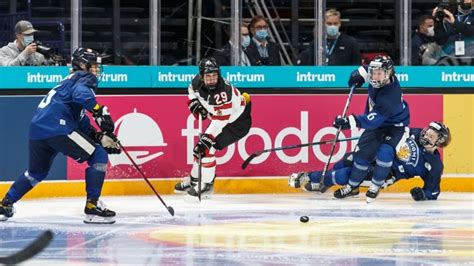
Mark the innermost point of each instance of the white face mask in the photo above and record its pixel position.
(28, 39)
(430, 31)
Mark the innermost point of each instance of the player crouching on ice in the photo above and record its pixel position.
(60, 125)
(418, 156)
(211, 96)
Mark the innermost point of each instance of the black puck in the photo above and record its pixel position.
(304, 219)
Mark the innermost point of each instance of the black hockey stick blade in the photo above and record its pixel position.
(250, 158)
(170, 210)
(29, 251)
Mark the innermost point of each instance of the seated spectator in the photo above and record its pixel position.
(455, 32)
(341, 49)
(22, 51)
(421, 38)
(223, 56)
(262, 51)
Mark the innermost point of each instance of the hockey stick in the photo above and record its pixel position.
(322, 187)
(169, 208)
(29, 251)
(199, 159)
(258, 153)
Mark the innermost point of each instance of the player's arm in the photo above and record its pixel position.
(431, 188)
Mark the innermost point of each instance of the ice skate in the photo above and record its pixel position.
(346, 191)
(297, 179)
(372, 193)
(206, 190)
(6, 209)
(183, 186)
(97, 213)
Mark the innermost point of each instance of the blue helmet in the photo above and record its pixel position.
(86, 56)
(381, 62)
(444, 135)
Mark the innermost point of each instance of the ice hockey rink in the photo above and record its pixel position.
(251, 229)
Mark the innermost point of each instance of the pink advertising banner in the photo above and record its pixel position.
(159, 133)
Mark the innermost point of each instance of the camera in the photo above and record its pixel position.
(40, 48)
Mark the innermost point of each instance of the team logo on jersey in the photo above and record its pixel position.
(141, 136)
(409, 152)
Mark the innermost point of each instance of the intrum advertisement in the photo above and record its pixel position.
(159, 133)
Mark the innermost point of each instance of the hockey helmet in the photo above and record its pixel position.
(87, 57)
(444, 135)
(381, 62)
(207, 66)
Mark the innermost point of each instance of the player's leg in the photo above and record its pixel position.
(394, 138)
(82, 148)
(230, 134)
(40, 159)
(309, 181)
(365, 153)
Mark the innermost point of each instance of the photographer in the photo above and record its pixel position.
(455, 32)
(22, 51)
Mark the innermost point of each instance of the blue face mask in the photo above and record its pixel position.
(245, 41)
(28, 39)
(332, 30)
(261, 34)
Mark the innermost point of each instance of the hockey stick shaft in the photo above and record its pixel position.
(256, 154)
(29, 251)
(199, 159)
(326, 165)
(169, 208)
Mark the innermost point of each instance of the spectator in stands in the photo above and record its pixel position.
(341, 49)
(223, 56)
(22, 51)
(262, 51)
(421, 38)
(455, 32)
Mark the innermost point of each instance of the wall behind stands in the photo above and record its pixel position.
(159, 133)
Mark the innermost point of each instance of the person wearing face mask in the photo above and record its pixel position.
(422, 36)
(261, 51)
(22, 51)
(341, 49)
(454, 29)
(223, 56)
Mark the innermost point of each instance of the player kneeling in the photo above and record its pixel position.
(418, 156)
(211, 96)
(61, 126)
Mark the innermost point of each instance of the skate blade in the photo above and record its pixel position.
(3, 218)
(94, 219)
(181, 191)
(369, 200)
(196, 199)
(348, 197)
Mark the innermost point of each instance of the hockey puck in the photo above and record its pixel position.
(304, 219)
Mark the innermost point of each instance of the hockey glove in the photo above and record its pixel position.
(108, 141)
(203, 146)
(103, 119)
(356, 79)
(417, 194)
(348, 122)
(196, 108)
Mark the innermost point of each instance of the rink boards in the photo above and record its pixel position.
(159, 133)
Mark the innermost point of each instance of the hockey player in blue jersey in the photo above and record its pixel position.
(60, 125)
(418, 156)
(385, 121)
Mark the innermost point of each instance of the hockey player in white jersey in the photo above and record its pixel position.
(211, 96)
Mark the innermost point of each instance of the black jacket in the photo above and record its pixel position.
(222, 56)
(273, 58)
(417, 50)
(345, 53)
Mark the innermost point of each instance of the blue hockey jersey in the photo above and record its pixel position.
(413, 160)
(385, 107)
(62, 110)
